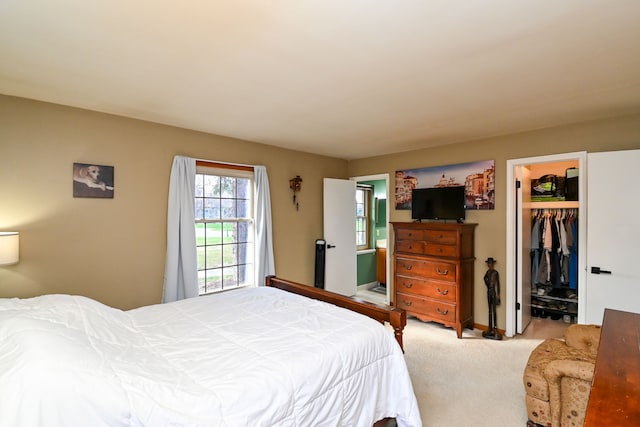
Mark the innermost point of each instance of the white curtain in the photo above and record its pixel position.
(181, 269)
(265, 265)
(181, 276)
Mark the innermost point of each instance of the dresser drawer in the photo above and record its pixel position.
(439, 270)
(425, 248)
(410, 246)
(434, 249)
(435, 309)
(407, 234)
(442, 237)
(415, 286)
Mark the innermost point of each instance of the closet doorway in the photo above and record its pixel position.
(529, 290)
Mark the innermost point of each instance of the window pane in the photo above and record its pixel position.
(229, 255)
(200, 254)
(211, 186)
(229, 232)
(228, 208)
(245, 253)
(199, 206)
(244, 208)
(209, 280)
(243, 188)
(228, 185)
(212, 208)
(245, 274)
(243, 232)
(213, 256)
(199, 185)
(230, 279)
(213, 236)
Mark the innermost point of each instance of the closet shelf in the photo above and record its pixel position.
(550, 298)
(554, 310)
(551, 205)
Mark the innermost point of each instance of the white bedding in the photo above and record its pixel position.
(248, 357)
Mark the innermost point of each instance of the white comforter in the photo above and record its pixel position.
(248, 357)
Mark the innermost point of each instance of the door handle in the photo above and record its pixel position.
(331, 246)
(598, 270)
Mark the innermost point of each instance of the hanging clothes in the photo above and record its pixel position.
(554, 259)
(573, 262)
(535, 247)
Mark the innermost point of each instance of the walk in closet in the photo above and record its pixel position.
(546, 252)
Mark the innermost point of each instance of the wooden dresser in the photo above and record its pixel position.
(433, 271)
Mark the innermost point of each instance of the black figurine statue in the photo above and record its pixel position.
(492, 281)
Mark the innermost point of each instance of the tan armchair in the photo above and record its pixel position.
(558, 375)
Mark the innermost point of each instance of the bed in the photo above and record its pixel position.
(248, 357)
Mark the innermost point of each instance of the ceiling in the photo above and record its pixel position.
(343, 78)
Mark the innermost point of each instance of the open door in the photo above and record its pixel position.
(613, 278)
(524, 243)
(340, 234)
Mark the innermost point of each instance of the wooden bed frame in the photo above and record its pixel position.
(396, 317)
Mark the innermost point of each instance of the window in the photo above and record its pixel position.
(224, 228)
(363, 195)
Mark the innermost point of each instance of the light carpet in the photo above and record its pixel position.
(471, 381)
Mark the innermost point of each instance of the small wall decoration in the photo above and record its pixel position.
(90, 180)
(478, 179)
(295, 184)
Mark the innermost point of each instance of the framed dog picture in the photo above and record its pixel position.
(91, 180)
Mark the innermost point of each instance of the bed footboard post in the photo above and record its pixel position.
(398, 320)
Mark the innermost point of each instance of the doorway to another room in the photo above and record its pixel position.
(371, 229)
(355, 233)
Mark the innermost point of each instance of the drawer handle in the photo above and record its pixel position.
(442, 273)
(445, 292)
(407, 303)
(439, 249)
(443, 312)
(408, 266)
(407, 285)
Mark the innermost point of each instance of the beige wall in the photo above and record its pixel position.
(113, 249)
(603, 135)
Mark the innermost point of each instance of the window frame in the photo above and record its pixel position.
(366, 218)
(244, 268)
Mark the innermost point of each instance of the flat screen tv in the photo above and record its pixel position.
(444, 203)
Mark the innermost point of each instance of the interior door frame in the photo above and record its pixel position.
(385, 177)
(512, 282)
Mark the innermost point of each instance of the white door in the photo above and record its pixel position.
(613, 233)
(524, 243)
(340, 235)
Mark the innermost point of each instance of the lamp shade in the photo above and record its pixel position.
(9, 247)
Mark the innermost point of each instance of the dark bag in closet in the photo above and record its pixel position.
(545, 186)
(571, 184)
